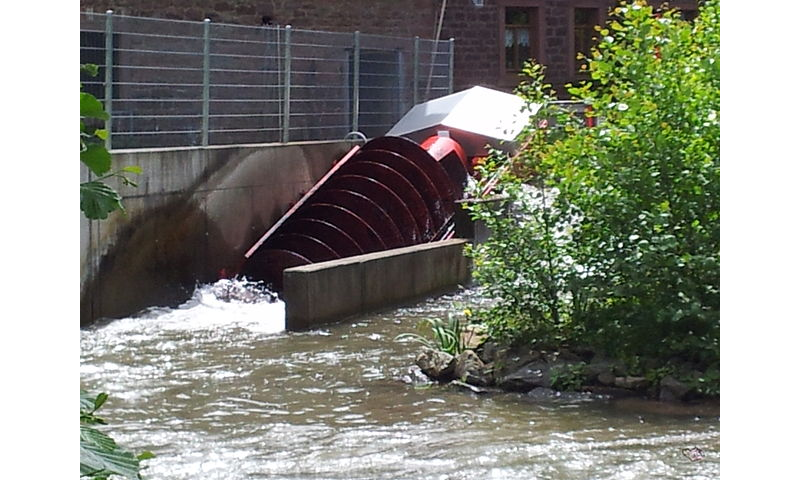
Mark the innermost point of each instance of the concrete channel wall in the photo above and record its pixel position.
(194, 214)
(330, 291)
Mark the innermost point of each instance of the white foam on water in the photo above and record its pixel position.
(225, 304)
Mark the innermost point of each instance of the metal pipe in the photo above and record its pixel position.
(278, 76)
(287, 81)
(452, 62)
(415, 82)
(437, 35)
(206, 78)
(356, 78)
(109, 90)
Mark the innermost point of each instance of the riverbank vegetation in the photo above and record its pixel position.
(101, 457)
(98, 198)
(609, 235)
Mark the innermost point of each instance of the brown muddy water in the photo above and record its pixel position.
(216, 390)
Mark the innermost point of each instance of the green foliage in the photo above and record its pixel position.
(613, 232)
(655, 375)
(569, 377)
(101, 457)
(447, 336)
(707, 383)
(97, 198)
(90, 69)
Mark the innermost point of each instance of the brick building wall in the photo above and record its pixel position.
(476, 33)
(479, 34)
(405, 18)
(478, 29)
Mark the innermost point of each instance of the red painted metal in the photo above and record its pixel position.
(322, 227)
(390, 202)
(413, 153)
(342, 220)
(269, 264)
(300, 203)
(375, 216)
(440, 147)
(314, 249)
(590, 121)
(452, 157)
(416, 177)
(389, 193)
(401, 187)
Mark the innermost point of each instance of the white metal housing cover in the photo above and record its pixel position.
(490, 114)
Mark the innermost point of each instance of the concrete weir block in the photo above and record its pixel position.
(327, 292)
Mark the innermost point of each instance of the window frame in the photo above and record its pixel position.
(535, 34)
(601, 9)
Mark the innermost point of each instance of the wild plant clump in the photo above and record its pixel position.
(613, 237)
(448, 336)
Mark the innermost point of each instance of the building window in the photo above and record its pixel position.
(584, 21)
(520, 37)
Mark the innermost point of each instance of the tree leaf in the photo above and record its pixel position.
(146, 455)
(100, 400)
(98, 200)
(87, 401)
(90, 69)
(100, 454)
(133, 169)
(91, 107)
(97, 158)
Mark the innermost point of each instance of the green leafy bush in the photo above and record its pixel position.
(98, 199)
(101, 457)
(568, 377)
(613, 237)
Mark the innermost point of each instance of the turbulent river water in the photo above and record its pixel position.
(217, 390)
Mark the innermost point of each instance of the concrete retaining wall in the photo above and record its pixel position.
(194, 214)
(330, 291)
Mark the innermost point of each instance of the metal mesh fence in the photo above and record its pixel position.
(169, 83)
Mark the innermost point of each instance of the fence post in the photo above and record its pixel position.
(452, 62)
(356, 78)
(109, 90)
(415, 82)
(206, 77)
(287, 81)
